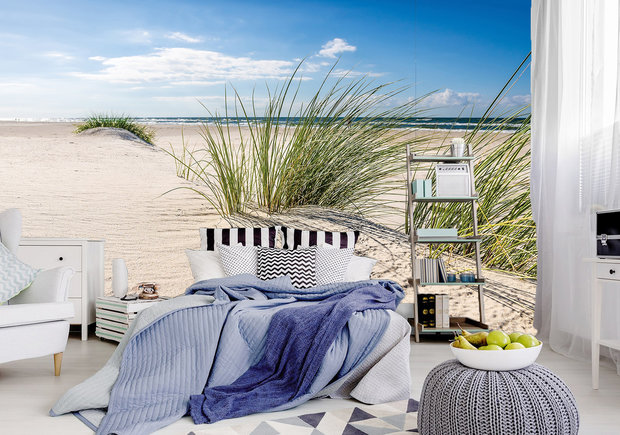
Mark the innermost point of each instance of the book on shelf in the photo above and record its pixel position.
(431, 270)
(446, 311)
(434, 310)
(439, 311)
(443, 274)
(442, 311)
(426, 310)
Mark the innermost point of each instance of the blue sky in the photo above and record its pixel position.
(155, 58)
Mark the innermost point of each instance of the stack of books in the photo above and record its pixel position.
(114, 315)
(434, 310)
(432, 270)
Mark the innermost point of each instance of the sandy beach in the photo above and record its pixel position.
(101, 186)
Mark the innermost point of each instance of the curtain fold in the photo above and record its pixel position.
(575, 162)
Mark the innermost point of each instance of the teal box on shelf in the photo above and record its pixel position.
(417, 188)
(437, 232)
(428, 188)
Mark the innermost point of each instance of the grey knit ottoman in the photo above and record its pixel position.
(460, 400)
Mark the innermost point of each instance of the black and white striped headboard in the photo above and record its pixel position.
(295, 238)
(209, 237)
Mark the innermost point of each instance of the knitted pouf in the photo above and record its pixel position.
(460, 400)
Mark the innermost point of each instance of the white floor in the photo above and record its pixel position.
(28, 389)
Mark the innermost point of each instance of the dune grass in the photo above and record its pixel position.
(339, 150)
(144, 132)
(343, 150)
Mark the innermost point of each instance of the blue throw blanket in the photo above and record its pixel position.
(296, 344)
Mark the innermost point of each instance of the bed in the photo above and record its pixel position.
(240, 344)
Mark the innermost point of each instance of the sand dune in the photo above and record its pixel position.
(106, 184)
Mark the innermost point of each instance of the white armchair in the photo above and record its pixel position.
(35, 322)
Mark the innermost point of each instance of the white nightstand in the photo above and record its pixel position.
(603, 271)
(115, 315)
(85, 257)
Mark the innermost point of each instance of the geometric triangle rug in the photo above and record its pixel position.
(388, 418)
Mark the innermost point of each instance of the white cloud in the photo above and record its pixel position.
(334, 47)
(178, 65)
(199, 82)
(178, 36)
(190, 98)
(450, 97)
(137, 36)
(517, 100)
(15, 86)
(58, 55)
(97, 58)
(232, 100)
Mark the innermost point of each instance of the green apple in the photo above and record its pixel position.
(515, 336)
(498, 337)
(490, 347)
(528, 340)
(513, 346)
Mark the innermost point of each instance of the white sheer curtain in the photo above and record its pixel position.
(575, 161)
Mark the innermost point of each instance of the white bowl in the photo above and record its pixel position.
(498, 360)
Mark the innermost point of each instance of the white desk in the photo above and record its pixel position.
(603, 271)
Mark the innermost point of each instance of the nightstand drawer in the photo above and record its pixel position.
(47, 257)
(608, 271)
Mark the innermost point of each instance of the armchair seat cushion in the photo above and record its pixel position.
(25, 314)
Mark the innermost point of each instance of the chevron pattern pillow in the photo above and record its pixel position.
(15, 275)
(299, 265)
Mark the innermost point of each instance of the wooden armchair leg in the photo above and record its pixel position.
(57, 363)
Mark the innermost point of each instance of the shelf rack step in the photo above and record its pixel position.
(447, 239)
(438, 158)
(456, 323)
(457, 283)
(444, 198)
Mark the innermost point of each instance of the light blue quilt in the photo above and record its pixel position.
(210, 337)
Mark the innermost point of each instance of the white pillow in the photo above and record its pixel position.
(359, 269)
(205, 264)
(332, 264)
(238, 259)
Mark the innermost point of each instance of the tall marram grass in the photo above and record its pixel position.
(124, 122)
(340, 149)
(343, 149)
(502, 174)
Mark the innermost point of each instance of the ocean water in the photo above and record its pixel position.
(445, 123)
(422, 123)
